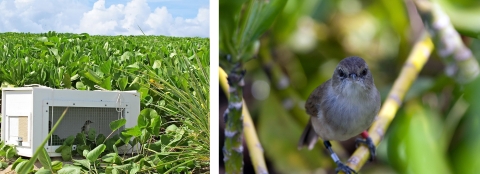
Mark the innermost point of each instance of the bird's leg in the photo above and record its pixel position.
(367, 141)
(340, 165)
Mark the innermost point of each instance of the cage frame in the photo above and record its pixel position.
(35, 102)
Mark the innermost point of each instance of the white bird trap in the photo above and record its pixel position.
(28, 111)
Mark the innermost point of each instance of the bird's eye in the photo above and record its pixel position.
(364, 72)
(341, 73)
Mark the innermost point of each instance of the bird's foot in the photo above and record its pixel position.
(344, 168)
(368, 141)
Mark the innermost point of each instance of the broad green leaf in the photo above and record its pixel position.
(112, 158)
(85, 152)
(80, 86)
(92, 134)
(66, 80)
(114, 125)
(67, 153)
(83, 162)
(44, 159)
(142, 119)
(122, 83)
(56, 165)
(145, 136)
(43, 171)
(100, 138)
(90, 75)
(70, 170)
(107, 83)
(155, 126)
(10, 152)
(133, 131)
(106, 67)
(23, 166)
(69, 141)
(16, 162)
(59, 149)
(3, 165)
(80, 139)
(171, 128)
(143, 92)
(95, 153)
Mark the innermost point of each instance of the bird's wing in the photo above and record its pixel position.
(311, 105)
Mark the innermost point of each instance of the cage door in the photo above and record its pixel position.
(18, 128)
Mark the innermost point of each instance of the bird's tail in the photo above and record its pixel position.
(309, 137)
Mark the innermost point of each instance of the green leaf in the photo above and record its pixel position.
(85, 152)
(23, 166)
(66, 80)
(69, 141)
(81, 148)
(90, 75)
(106, 67)
(59, 149)
(43, 171)
(112, 158)
(133, 131)
(67, 153)
(80, 139)
(84, 163)
(142, 120)
(122, 83)
(143, 92)
(3, 164)
(155, 126)
(107, 83)
(114, 125)
(70, 170)
(44, 159)
(157, 64)
(10, 152)
(18, 161)
(92, 134)
(95, 153)
(56, 165)
(135, 168)
(80, 86)
(100, 138)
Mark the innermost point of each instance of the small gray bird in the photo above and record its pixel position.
(86, 126)
(341, 108)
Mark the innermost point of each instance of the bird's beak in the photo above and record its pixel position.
(353, 76)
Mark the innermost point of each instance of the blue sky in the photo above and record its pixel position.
(180, 8)
(107, 17)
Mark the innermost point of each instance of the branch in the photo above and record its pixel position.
(233, 147)
(460, 62)
(415, 62)
(253, 144)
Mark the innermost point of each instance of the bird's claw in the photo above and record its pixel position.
(344, 168)
(368, 141)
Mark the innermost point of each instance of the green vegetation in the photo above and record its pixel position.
(172, 75)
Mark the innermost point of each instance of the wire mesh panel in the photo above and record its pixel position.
(81, 119)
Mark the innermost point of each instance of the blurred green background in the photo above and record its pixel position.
(437, 129)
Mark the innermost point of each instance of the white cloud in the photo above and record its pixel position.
(116, 19)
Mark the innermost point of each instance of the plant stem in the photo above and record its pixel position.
(460, 62)
(253, 143)
(233, 147)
